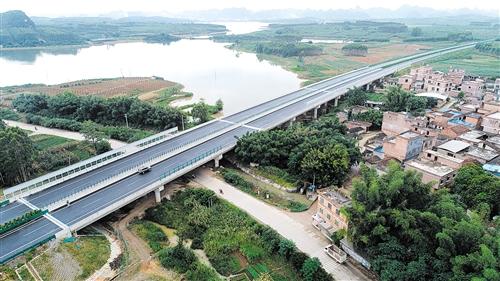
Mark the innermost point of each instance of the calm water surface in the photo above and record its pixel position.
(208, 69)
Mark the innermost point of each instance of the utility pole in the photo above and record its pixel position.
(126, 120)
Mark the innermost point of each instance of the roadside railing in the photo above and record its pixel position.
(121, 174)
(164, 178)
(56, 177)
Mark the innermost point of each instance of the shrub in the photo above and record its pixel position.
(297, 259)
(8, 114)
(251, 251)
(197, 243)
(201, 272)
(233, 178)
(177, 258)
(286, 248)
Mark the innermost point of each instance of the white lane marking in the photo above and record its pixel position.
(230, 122)
(253, 128)
(28, 204)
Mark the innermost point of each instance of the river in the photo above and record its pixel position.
(206, 68)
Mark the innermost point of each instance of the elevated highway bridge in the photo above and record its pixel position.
(81, 194)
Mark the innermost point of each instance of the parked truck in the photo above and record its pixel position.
(336, 253)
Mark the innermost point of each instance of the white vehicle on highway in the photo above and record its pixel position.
(144, 169)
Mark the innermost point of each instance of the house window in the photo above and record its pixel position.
(337, 212)
(321, 210)
(336, 222)
(321, 200)
(329, 206)
(328, 216)
(428, 155)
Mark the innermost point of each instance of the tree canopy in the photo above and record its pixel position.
(16, 155)
(410, 233)
(288, 148)
(100, 110)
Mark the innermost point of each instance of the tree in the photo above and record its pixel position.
(312, 271)
(396, 99)
(201, 112)
(327, 165)
(410, 233)
(2, 125)
(356, 96)
(475, 186)
(373, 116)
(16, 155)
(461, 95)
(219, 105)
(178, 258)
(416, 32)
(94, 135)
(286, 248)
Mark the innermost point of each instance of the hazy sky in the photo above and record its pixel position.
(97, 7)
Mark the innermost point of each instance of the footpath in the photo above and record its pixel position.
(305, 240)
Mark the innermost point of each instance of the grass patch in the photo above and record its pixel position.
(375, 97)
(471, 60)
(166, 96)
(44, 266)
(151, 233)
(25, 274)
(91, 253)
(278, 176)
(43, 142)
(286, 200)
(224, 229)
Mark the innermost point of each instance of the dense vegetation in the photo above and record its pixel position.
(100, 110)
(397, 99)
(287, 49)
(489, 47)
(20, 31)
(317, 152)
(410, 233)
(225, 232)
(355, 49)
(23, 157)
(161, 38)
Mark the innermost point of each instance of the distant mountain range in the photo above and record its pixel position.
(242, 14)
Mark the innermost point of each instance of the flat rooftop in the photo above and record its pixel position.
(409, 135)
(495, 115)
(481, 153)
(473, 135)
(430, 167)
(335, 197)
(454, 146)
(444, 156)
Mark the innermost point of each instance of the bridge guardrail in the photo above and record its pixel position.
(164, 178)
(124, 173)
(50, 179)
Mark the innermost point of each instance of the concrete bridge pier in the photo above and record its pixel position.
(368, 87)
(315, 112)
(336, 102)
(216, 160)
(158, 194)
(292, 120)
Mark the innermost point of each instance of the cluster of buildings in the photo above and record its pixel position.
(424, 79)
(435, 145)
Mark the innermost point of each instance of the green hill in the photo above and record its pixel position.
(18, 30)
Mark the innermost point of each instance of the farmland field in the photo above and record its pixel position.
(108, 88)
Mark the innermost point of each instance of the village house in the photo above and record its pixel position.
(432, 172)
(473, 87)
(395, 123)
(452, 132)
(438, 157)
(404, 146)
(491, 123)
(329, 217)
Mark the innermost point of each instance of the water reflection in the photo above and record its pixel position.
(30, 55)
(208, 69)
